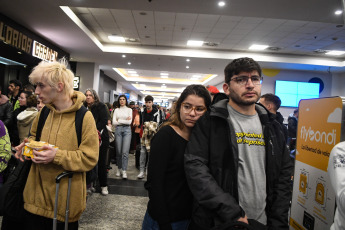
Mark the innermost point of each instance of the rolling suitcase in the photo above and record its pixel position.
(57, 180)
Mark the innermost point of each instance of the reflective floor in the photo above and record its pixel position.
(123, 208)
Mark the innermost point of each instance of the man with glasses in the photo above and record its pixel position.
(237, 164)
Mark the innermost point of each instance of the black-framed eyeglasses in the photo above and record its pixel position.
(243, 80)
(199, 110)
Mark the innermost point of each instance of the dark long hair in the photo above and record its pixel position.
(197, 90)
(118, 100)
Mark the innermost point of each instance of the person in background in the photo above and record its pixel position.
(14, 132)
(14, 90)
(135, 123)
(26, 117)
(292, 129)
(170, 204)
(55, 88)
(5, 150)
(150, 113)
(215, 94)
(336, 172)
(100, 114)
(237, 163)
(213, 90)
(272, 104)
(29, 87)
(6, 110)
(40, 104)
(122, 120)
(167, 114)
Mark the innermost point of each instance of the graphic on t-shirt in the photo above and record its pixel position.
(250, 138)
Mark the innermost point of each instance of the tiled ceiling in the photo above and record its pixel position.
(219, 32)
(297, 32)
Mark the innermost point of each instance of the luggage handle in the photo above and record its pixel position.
(58, 179)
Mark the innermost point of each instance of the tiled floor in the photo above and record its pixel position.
(123, 209)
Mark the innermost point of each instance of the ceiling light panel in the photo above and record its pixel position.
(114, 38)
(258, 47)
(194, 43)
(335, 52)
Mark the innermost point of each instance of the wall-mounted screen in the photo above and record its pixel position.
(291, 92)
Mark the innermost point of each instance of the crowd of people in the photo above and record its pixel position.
(211, 160)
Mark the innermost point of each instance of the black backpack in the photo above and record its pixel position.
(11, 194)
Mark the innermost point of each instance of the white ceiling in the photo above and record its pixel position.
(296, 31)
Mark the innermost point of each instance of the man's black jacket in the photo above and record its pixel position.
(211, 164)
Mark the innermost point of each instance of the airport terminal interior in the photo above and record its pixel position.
(159, 47)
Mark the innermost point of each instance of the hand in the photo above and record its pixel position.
(19, 151)
(46, 156)
(243, 219)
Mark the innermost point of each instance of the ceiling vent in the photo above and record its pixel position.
(274, 48)
(212, 44)
(319, 51)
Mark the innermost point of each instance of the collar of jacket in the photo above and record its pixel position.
(220, 110)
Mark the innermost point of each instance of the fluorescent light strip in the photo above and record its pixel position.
(258, 47)
(194, 43)
(335, 52)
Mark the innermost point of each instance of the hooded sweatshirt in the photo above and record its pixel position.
(24, 121)
(59, 130)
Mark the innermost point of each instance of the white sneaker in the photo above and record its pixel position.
(104, 191)
(124, 175)
(141, 175)
(118, 172)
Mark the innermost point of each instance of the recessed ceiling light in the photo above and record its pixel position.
(187, 67)
(221, 3)
(129, 63)
(115, 38)
(335, 52)
(163, 86)
(164, 74)
(132, 40)
(258, 47)
(187, 60)
(131, 71)
(123, 55)
(135, 75)
(136, 82)
(196, 76)
(194, 43)
(337, 12)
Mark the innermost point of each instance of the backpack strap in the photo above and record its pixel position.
(79, 117)
(43, 117)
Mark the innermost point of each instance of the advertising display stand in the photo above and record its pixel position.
(320, 126)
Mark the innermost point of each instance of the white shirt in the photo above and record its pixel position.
(121, 114)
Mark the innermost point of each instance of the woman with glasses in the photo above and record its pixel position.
(170, 204)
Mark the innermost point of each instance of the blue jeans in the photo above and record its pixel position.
(142, 159)
(151, 224)
(123, 135)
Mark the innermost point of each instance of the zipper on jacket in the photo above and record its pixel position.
(271, 144)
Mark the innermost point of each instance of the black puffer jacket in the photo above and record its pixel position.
(211, 164)
(6, 111)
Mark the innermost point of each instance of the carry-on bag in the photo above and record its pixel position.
(57, 180)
